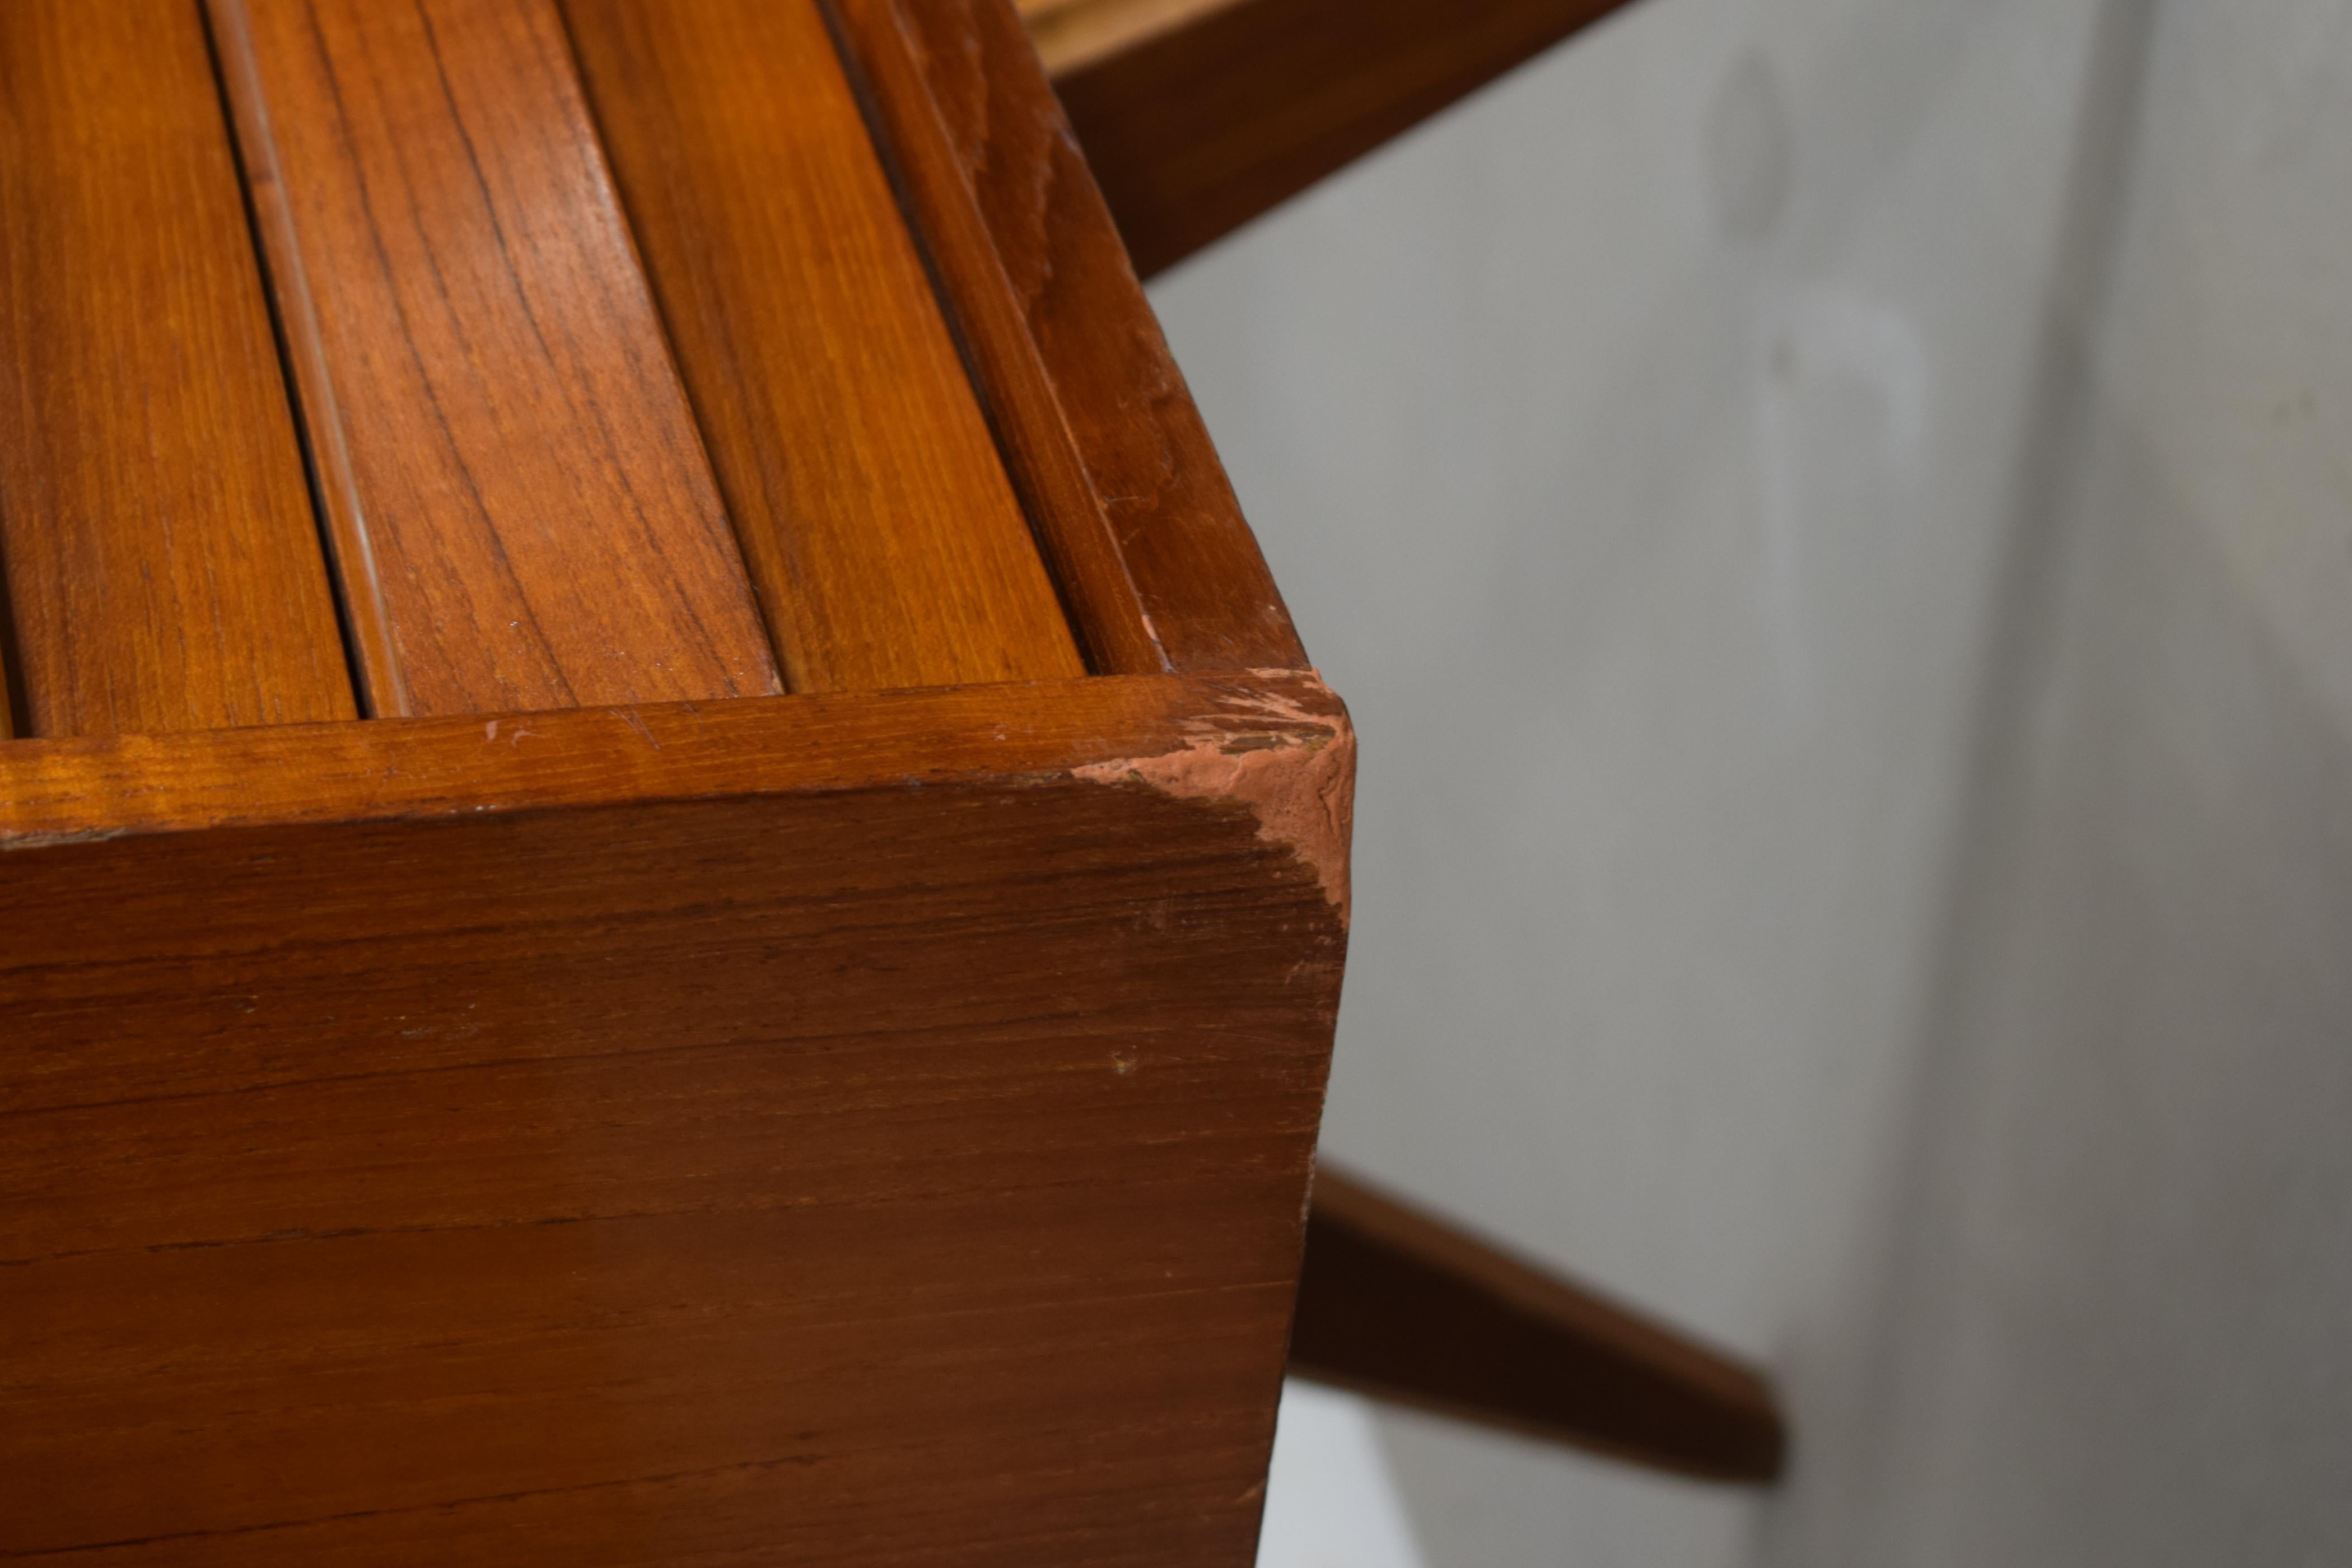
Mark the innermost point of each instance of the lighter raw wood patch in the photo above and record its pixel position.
(1300, 785)
(1073, 33)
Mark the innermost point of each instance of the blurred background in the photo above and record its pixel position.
(1834, 520)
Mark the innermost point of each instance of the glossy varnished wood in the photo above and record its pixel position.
(1042, 455)
(1095, 415)
(161, 562)
(887, 543)
(517, 493)
(860, 1128)
(1396, 1304)
(835, 1130)
(1198, 115)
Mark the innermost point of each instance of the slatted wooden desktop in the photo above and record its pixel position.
(671, 888)
(674, 889)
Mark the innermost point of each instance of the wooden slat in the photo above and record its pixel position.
(1198, 115)
(1064, 343)
(518, 465)
(1040, 450)
(886, 541)
(1397, 1305)
(163, 567)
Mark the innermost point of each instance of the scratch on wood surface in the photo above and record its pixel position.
(1300, 780)
(50, 841)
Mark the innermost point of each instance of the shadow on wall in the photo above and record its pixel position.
(2117, 1329)
(1853, 851)
(1852, 1412)
(2121, 1334)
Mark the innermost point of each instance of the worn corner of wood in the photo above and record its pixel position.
(39, 840)
(1288, 755)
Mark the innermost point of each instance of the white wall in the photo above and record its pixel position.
(2125, 1334)
(1832, 518)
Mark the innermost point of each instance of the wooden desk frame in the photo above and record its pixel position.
(845, 1127)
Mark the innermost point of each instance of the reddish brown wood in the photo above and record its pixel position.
(1199, 117)
(516, 487)
(162, 567)
(1397, 1305)
(1026, 250)
(886, 541)
(845, 1129)
(837, 1131)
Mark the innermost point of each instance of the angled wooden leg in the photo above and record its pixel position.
(1394, 1304)
(1198, 115)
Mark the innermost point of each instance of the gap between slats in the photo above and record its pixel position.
(496, 419)
(887, 543)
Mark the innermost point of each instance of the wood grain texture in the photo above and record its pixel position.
(163, 565)
(1041, 456)
(1403, 1307)
(885, 542)
(1198, 124)
(1068, 356)
(522, 493)
(830, 1129)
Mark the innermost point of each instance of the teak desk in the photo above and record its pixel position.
(674, 891)
(671, 888)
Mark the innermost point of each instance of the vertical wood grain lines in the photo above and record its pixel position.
(1056, 487)
(970, 113)
(163, 565)
(887, 546)
(497, 427)
(1401, 1306)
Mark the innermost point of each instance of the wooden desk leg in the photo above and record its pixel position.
(1396, 1305)
(1198, 115)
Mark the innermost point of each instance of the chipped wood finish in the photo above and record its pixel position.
(611, 756)
(663, 1136)
(161, 561)
(1302, 785)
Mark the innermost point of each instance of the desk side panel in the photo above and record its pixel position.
(906, 1174)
